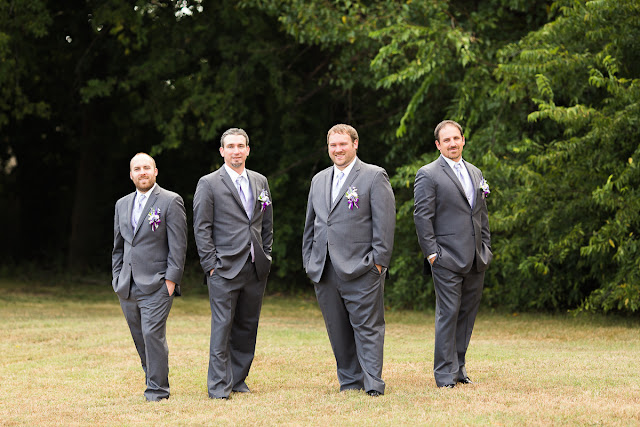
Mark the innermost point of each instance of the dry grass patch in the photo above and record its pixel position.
(68, 359)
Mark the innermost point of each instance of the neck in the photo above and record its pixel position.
(346, 166)
(145, 191)
(238, 169)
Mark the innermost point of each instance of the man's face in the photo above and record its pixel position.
(451, 142)
(235, 151)
(143, 172)
(341, 149)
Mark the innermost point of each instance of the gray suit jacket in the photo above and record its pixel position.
(149, 256)
(355, 239)
(222, 230)
(445, 222)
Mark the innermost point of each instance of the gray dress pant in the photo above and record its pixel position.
(235, 312)
(457, 302)
(146, 315)
(353, 313)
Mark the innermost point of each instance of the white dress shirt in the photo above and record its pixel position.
(467, 185)
(244, 183)
(135, 213)
(336, 172)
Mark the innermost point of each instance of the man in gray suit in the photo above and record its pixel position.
(149, 249)
(233, 227)
(346, 250)
(453, 230)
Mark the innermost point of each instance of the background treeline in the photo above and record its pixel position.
(548, 93)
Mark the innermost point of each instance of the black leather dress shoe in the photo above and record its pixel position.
(158, 399)
(465, 380)
(374, 393)
(220, 398)
(448, 386)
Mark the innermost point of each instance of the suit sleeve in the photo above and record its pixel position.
(176, 225)
(203, 206)
(267, 225)
(424, 195)
(117, 255)
(383, 217)
(307, 236)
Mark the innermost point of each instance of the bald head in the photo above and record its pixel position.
(141, 156)
(143, 171)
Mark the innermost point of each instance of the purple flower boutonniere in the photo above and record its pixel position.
(352, 197)
(264, 199)
(154, 218)
(484, 186)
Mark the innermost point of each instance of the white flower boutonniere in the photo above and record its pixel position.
(154, 218)
(264, 199)
(352, 197)
(484, 186)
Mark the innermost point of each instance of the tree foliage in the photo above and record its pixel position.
(547, 92)
(446, 53)
(576, 181)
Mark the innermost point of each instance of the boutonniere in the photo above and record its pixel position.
(484, 186)
(154, 218)
(264, 199)
(352, 197)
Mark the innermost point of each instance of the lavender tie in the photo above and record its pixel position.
(337, 185)
(243, 198)
(247, 208)
(137, 210)
(463, 181)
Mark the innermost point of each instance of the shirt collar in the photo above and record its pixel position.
(346, 170)
(452, 164)
(234, 175)
(148, 193)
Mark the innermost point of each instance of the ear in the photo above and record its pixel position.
(155, 172)
(131, 175)
(221, 151)
(355, 144)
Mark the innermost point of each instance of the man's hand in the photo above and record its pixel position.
(379, 267)
(211, 272)
(171, 286)
(432, 259)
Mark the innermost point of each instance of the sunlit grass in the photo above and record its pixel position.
(68, 359)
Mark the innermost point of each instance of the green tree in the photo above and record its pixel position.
(547, 93)
(573, 181)
(445, 54)
(548, 113)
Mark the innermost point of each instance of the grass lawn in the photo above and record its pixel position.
(67, 359)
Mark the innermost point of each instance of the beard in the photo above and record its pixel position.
(146, 186)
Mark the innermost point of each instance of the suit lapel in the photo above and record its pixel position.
(132, 197)
(253, 186)
(151, 200)
(226, 179)
(447, 170)
(328, 183)
(475, 180)
(347, 183)
(128, 233)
